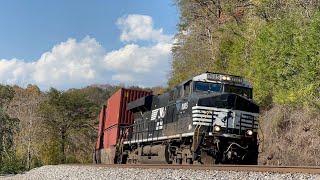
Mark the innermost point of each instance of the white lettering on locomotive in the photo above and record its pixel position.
(184, 106)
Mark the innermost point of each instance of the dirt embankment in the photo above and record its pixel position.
(290, 137)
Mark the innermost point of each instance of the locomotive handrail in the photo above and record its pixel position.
(207, 112)
(212, 120)
(240, 124)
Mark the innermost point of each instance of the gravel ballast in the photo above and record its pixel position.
(85, 172)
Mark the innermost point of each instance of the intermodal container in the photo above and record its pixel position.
(117, 112)
(99, 144)
(111, 136)
(115, 116)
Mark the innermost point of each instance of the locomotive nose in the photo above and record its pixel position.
(229, 101)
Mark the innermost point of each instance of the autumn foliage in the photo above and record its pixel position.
(275, 45)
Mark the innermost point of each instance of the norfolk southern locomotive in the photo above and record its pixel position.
(207, 119)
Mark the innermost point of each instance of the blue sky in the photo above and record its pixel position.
(68, 44)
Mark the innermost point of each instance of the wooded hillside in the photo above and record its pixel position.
(275, 44)
(53, 127)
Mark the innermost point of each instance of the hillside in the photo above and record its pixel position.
(273, 44)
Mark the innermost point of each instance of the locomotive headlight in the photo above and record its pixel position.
(249, 132)
(217, 128)
(224, 78)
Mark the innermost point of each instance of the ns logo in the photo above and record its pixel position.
(159, 113)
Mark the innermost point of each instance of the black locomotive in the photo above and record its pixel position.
(208, 119)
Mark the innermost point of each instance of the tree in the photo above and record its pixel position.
(286, 53)
(64, 112)
(206, 30)
(7, 128)
(25, 106)
(272, 43)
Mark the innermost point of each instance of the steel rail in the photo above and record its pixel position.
(247, 168)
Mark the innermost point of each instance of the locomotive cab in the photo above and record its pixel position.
(224, 111)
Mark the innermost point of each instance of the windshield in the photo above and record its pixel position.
(246, 92)
(208, 87)
(212, 87)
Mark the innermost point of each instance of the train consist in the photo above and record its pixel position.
(207, 119)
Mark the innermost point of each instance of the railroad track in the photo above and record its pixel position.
(255, 168)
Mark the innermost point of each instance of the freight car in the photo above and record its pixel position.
(207, 119)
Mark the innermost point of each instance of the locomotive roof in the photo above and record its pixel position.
(203, 77)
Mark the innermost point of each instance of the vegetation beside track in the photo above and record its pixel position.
(40, 128)
(275, 45)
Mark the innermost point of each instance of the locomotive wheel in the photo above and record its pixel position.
(128, 161)
(206, 159)
(189, 161)
(96, 157)
(179, 161)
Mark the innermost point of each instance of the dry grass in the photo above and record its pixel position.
(290, 137)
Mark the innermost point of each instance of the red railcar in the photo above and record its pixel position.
(101, 127)
(115, 116)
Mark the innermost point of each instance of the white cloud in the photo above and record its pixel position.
(14, 71)
(123, 78)
(74, 64)
(70, 62)
(139, 62)
(136, 27)
(133, 58)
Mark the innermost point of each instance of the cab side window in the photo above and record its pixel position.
(171, 95)
(179, 92)
(187, 89)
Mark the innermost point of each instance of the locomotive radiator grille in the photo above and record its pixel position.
(247, 121)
